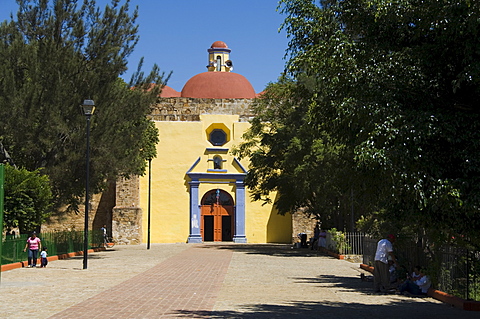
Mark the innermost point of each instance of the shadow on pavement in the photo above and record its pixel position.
(391, 306)
(90, 256)
(305, 310)
(279, 250)
(351, 283)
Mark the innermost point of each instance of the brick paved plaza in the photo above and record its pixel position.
(205, 281)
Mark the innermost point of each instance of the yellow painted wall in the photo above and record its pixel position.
(170, 200)
(279, 228)
(181, 144)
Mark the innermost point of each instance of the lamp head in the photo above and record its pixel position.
(88, 107)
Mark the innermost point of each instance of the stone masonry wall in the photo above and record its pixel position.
(190, 109)
(127, 225)
(301, 223)
(99, 214)
(117, 207)
(127, 215)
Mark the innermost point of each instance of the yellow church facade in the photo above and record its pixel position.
(195, 189)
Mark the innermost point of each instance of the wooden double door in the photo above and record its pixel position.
(217, 216)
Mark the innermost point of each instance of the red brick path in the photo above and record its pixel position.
(189, 281)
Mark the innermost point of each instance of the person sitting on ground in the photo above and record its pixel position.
(303, 240)
(415, 274)
(417, 284)
(392, 269)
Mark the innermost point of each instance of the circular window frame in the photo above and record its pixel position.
(218, 137)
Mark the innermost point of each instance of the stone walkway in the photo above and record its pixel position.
(205, 281)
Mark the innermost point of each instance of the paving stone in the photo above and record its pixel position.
(206, 281)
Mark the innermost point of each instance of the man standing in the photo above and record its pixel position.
(381, 274)
(104, 231)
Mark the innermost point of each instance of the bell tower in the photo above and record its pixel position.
(219, 58)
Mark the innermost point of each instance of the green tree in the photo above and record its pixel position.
(55, 54)
(393, 86)
(290, 156)
(28, 199)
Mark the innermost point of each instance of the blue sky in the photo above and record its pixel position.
(176, 34)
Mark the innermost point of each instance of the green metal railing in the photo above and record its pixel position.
(12, 250)
(2, 173)
(57, 243)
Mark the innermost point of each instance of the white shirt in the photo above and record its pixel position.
(423, 283)
(384, 247)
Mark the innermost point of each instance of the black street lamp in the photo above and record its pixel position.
(149, 199)
(88, 109)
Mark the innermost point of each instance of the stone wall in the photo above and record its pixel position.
(117, 207)
(302, 223)
(127, 225)
(190, 109)
(128, 192)
(99, 214)
(127, 215)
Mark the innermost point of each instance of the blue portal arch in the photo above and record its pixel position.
(217, 178)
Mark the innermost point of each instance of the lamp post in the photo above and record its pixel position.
(149, 199)
(2, 179)
(88, 108)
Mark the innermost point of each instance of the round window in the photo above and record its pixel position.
(218, 137)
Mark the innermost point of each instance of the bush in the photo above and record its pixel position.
(28, 198)
(340, 241)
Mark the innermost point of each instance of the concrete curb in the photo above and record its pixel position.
(443, 296)
(22, 264)
(367, 268)
(331, 253)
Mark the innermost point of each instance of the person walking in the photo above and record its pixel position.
(33, 246)
(104, 232)
(43, 256)
(381, 274)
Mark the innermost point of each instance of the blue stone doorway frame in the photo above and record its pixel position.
(239, 209)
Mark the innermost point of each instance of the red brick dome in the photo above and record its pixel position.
(218, 85)
(219, 44)
(169, 92)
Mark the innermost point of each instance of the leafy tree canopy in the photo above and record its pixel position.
(28, 199)
(388, 90)
(54, 55)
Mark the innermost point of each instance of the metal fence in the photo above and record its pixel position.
(453, 270)
(57, 243)
(346, 243)
(459, 272)
(369, 248)
(407, 252)
(12, 249)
